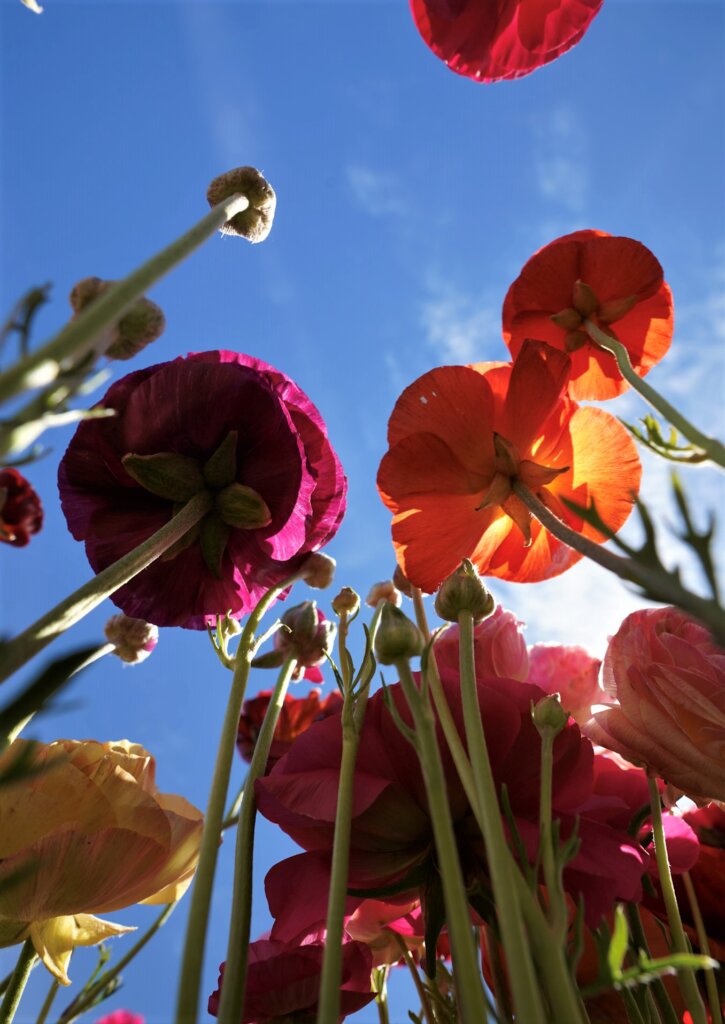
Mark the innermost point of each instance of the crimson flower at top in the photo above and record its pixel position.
(490, 40)
(216, 421)
(461, 436)
(614, 282)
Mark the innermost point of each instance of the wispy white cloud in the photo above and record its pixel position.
(378, 192)
(459, 328)
(561, 164)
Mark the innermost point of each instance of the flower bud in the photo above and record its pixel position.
(309, 635)
(548, 715)
(254, 223)
(143, 323)
(384, 591)
(397, 637)
(318, 571)
(347, 601)
(133, 639)
(402, 582)
(464, 591)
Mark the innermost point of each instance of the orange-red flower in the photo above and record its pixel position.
(460, 436)
(590, 275)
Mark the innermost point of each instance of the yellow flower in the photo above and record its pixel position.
(87, 833)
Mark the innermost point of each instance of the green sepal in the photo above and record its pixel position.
(241, 507)
(213, 542)
(220, 469)
(273, 659)
(166, 474)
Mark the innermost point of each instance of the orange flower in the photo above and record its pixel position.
(87, 834)
(615, 282)
(460, 436)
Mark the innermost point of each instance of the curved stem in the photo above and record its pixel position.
(235, 972)
(713, 997)
(45, 364)
(667, 589)
(685, 976)
(18, 981)
(709, 445)
(25, 645)
(524, 988)
(84, 1000)
(458, 919)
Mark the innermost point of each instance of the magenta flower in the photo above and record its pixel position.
(572, 673)
(219, 421)
(121, 1017)
(500, 648)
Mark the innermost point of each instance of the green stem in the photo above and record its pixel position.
(709, 445)
(666, 588)
(685, 976)
(552, 877)
(25, 645)
(469, 985)
(419, 986)
(235, 972)
(86, 999)
(380, 974)
(232, 816)
(524, 988)
(16, 987)
(664, 1003)
(713, 997)
(48, 1001)
(45, 364)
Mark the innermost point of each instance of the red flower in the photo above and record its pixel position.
(615, 282)
(297, 715)
(460, 436)
(283, 981)
(21, 514)
(391, 832)
(490, 40)
(270, 446)
(499, 643)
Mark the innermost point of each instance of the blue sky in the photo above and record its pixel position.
(408, 199)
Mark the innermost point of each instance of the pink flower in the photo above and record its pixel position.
(571, 672)
(270, 446)
(499, 644)
(391, 832)
(490, 40)
(297, 715)
(283, 981)
(669, 679)
(21, 514)
(122, 1017)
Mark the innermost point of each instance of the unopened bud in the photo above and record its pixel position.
(347, 602)
(254, 223)
(309, 636)
(318, 571)
(385, 590)
(402, 582)
(133, 639)
(464, 591)
(397, 637)
(548, 715)
(142, 324)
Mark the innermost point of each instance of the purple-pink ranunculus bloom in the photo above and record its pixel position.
(572, 673)
(500, 648)
(198, 406)
(121, 1017)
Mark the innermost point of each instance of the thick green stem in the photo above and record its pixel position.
(685, 976)
(22, 648)
(469, 985)
(18, 981)
(667, 588)
(709, 445)
(75, 339)
(84, 1000)
(524, 988)
(557, 912)
(713, 996)
(235, 972)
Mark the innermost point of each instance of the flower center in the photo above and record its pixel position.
(178, 478)
(586, 306)
(510, 468)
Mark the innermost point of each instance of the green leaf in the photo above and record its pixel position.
(619, 942)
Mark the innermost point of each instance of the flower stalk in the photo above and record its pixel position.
(16, 652)
(685, 976)
(713, 996)
(235, 973)
(712, 448)
(43, 366)
(18, 981)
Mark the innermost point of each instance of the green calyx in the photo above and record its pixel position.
(178, 478)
